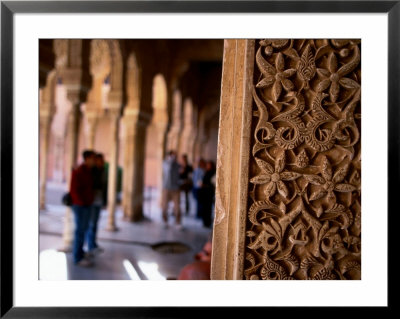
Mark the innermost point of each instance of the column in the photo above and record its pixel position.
(135, 148)
(161, 138)
(74, 117)
(200, 139)
(45, 124)
(92, 120)
(113, 169)
(174, 132)
(75, 75)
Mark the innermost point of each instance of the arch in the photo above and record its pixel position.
(189, 129)
(156, 132)
(159, 93)
(175, 121)
(133, 82)
(117, 65)
(100, 58)
(48, 93)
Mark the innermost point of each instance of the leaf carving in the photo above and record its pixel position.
(276, 90)
(315, 179)
(323, 85)
(287, 84)
(266, 167)
(306, 65)
(280, 162)
(332, 63)
(318, 194)
(270, 189)
(326, 169)
(334, 91)
(282, 189)
(291, 53)
(289, 176)
(280, 62)
(340, 174)
(265, 68)
(251, 233)
(261, 179)
(349, 83)
(345, 188)
(265, 82)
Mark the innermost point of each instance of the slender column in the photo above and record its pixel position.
(135, 147)
(176, 126)
(58, 173)
(200, 138)
(125, 177)
(74, 117)
(92, 120)
(45, 122)
(113, 169)
(72, 67)
(161, 137)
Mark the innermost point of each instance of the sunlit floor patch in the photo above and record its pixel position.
(53, 265)
(151, 270)
(130, 270)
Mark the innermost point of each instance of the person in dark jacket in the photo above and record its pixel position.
(206, 194)
(82, 195)
(185, 172)
(99, 181)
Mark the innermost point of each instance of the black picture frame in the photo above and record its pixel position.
(9, 8)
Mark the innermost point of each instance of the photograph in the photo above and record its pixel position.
(130, 181)
(165, 157)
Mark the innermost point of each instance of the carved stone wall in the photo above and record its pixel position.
(304, 195)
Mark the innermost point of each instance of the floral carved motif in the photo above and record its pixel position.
(304, 213)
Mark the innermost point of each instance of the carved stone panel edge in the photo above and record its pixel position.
(304, 205)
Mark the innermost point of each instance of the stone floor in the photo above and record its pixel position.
(137, 251)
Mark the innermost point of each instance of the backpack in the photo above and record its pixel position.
(66, 199)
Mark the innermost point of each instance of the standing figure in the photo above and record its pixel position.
(185, 180)
(99, 181)
(198, 175)
(81, 190)
(206, 194)
(171, 192)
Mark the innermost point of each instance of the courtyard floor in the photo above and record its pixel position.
(137, 251)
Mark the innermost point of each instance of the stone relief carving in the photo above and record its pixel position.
(60, 48)
(304, 213)
(99, 57)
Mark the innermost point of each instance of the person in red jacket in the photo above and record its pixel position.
(82, 195)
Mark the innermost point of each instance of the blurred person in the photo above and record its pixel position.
(82, 196)
(170, 189)
(99, 182)
(198, 175)
(206, 194)
(200, 268)
(185, 179)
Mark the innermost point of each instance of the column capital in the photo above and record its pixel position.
(115, 99)
(77, 84)
(46, 110)
(92, 114)
(135, 116)
(114, 113)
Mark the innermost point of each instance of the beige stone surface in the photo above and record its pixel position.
(302, 211)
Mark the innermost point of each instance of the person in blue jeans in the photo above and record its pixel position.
(99, 181)
(198, 175)
(81, 190)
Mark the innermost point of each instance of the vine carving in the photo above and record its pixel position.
(304, 213)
